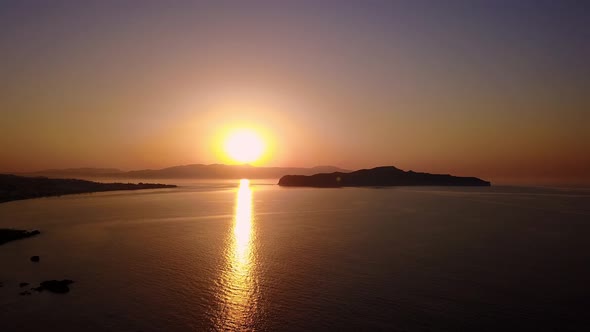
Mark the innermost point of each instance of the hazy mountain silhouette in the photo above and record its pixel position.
(74, 172)
(379, 176)
(194, 171)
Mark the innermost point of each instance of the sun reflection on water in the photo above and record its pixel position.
(238, 284)
(243, 225)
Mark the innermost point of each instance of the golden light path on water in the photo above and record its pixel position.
(237, 282)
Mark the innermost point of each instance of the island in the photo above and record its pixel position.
(13, 187)
(384, 176)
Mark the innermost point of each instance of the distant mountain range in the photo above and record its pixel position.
(379, 177)
(195, 171)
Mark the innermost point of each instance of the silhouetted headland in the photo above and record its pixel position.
(378, 177)
(7, 235)
(14, 187)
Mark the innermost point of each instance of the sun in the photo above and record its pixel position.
(244, 146)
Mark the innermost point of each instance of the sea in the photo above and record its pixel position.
(240, 255)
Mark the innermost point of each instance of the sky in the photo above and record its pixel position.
(495, 89)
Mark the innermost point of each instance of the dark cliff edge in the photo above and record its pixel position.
(384, 176)
(7, 235)
(14, 187)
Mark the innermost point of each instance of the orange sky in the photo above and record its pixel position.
(492, 92)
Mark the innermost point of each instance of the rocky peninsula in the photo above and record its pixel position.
(14, 187)
(7, 235)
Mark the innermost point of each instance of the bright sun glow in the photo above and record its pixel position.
(244, 146)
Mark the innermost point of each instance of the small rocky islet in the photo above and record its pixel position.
(52, 286)
(55, 286)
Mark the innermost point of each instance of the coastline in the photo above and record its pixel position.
(13, 187)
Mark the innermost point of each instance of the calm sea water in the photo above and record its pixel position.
(231, 256)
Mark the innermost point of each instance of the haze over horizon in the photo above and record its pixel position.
(493, 89)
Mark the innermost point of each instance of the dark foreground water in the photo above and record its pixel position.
(219, 256)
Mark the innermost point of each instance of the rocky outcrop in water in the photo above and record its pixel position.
(55, 286)
(7, 235)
